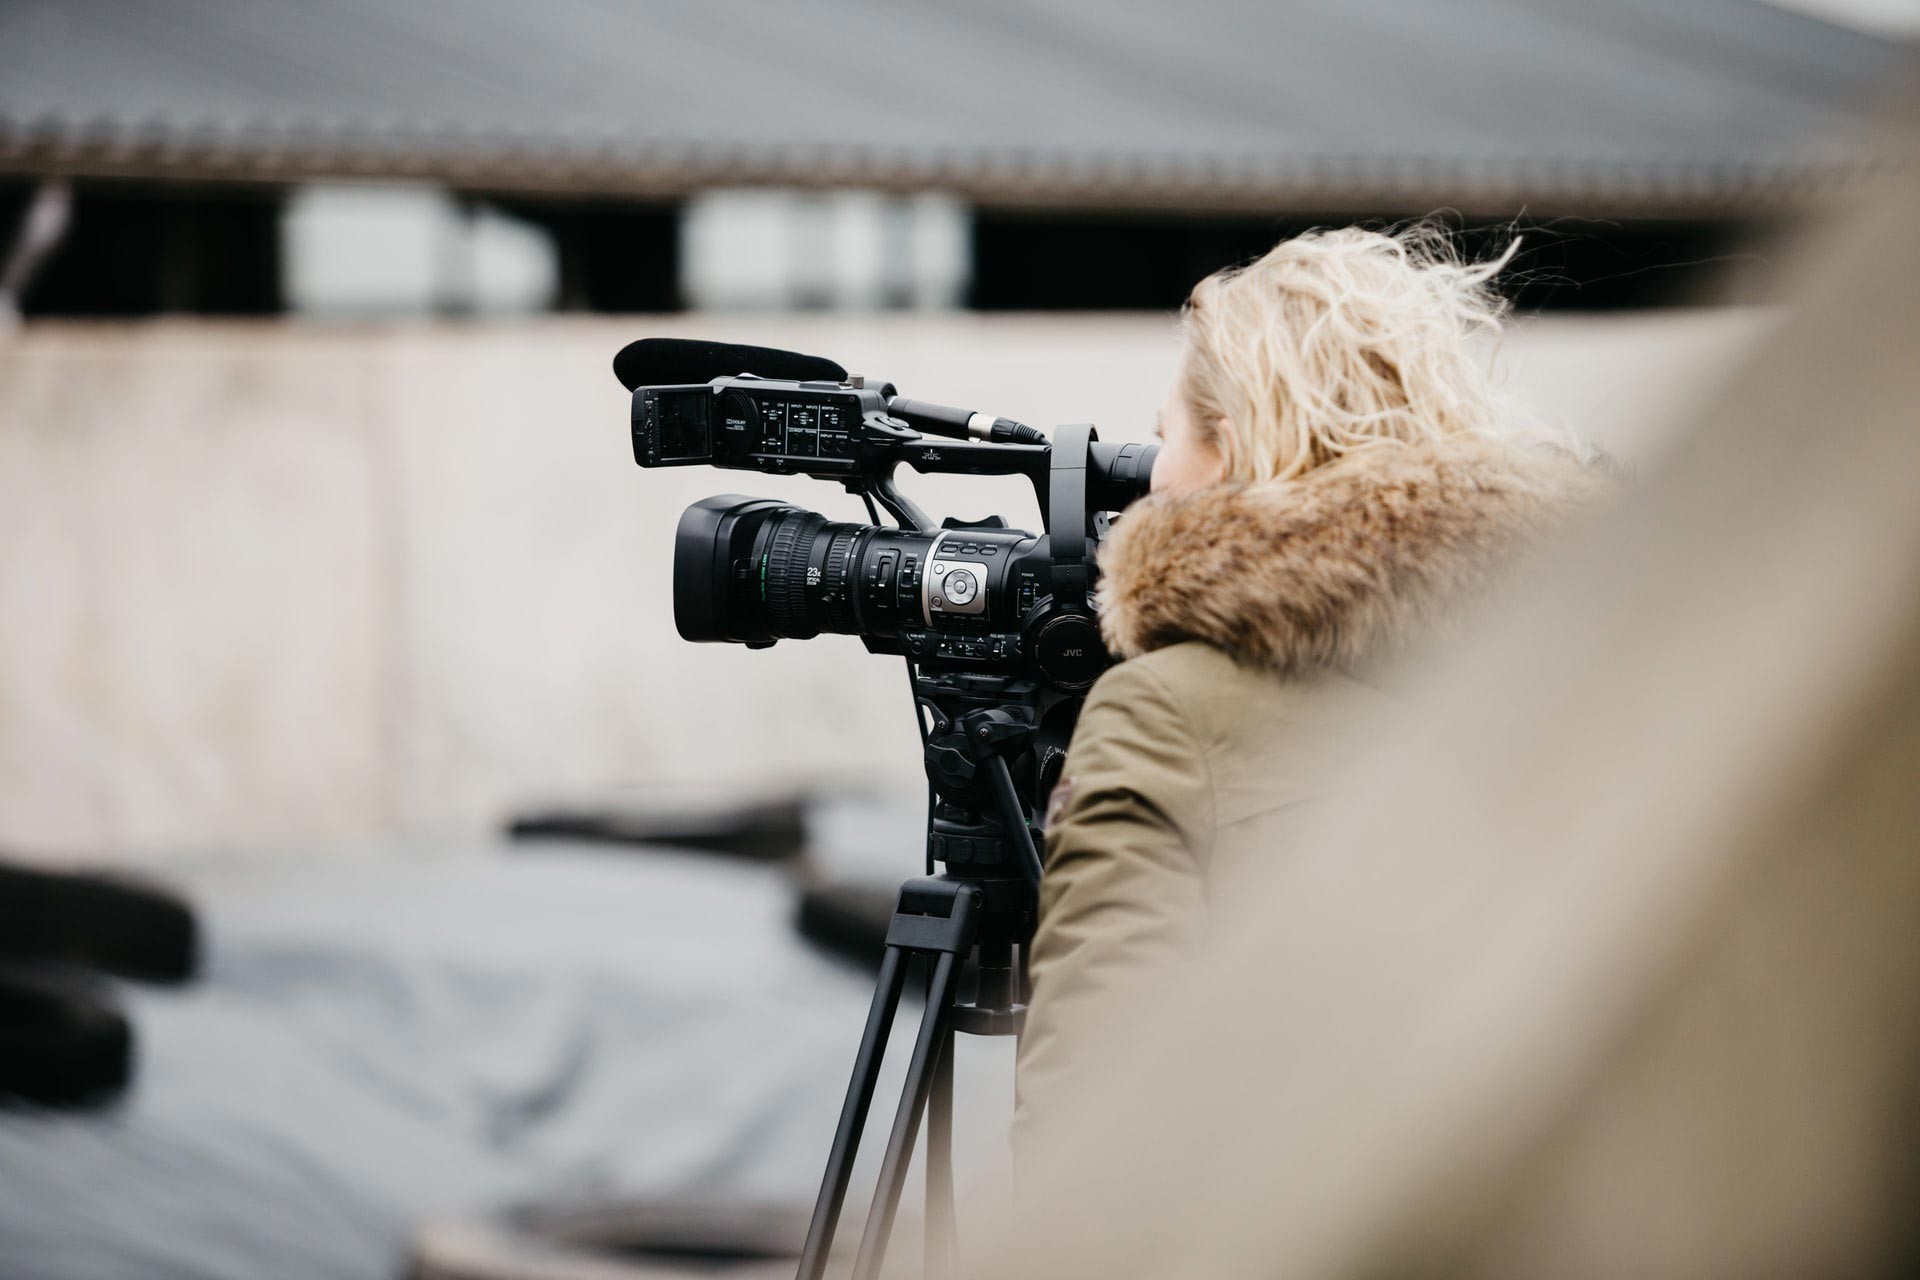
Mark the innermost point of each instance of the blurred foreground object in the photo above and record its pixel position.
(63, 1040)
(1611, 968)
(63, 1037)
(110, 922)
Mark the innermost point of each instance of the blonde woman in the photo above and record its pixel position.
(1331, 482)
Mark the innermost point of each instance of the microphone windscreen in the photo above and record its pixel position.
(666, 361)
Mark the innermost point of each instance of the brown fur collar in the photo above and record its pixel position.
(1338, 567)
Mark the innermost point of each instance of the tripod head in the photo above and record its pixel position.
(980, 826)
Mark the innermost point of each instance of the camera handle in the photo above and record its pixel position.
(1067, 526)
(881, 485)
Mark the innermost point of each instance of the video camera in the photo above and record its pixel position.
(988, 617)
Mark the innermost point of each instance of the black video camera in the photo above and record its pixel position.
(966, 596)
(997, 624)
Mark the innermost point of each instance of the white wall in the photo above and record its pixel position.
(272, 587)
(357, 250)
(850, 250)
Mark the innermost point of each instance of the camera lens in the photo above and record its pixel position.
(752, 571)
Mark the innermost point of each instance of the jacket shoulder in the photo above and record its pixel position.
(1212, 691)
(1205, 682)
(1189, 664)
(1264, 740)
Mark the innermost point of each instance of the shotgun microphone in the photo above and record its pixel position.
(682, 361)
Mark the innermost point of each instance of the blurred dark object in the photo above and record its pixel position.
(765, 829)
(97, 921)
(848, 918)
(63, 1039)
(642, 1239)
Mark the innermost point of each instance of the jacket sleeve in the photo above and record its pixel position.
(1123, 903)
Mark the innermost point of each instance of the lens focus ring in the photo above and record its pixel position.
(786, 575)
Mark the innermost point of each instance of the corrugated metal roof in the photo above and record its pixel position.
(1636, 105)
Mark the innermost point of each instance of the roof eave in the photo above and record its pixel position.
(1029, 180)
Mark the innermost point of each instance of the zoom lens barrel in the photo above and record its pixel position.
(808, 578)
(752, 571)
(756, 570)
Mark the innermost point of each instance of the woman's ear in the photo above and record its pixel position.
(1220, 454)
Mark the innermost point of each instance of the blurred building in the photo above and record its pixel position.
(361, 157)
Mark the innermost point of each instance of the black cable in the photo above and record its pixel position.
(1030, 862)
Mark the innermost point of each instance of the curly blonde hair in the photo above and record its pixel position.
(1338, 341)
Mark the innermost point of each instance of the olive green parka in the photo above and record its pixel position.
(1250, 618)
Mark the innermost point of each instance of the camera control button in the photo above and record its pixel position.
(961, 586)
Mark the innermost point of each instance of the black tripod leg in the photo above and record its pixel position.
(913, 1100)
(940, 1228)
(853, 1114)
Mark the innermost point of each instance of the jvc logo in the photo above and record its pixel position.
(1072, 653)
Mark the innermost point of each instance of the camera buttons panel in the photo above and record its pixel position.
(954, 586)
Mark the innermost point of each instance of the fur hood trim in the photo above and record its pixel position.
(1339, 567)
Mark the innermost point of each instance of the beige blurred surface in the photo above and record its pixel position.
(1611, 969)
(271, 587)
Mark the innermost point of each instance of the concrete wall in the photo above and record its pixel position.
(274, 588)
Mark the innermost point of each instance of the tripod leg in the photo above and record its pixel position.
(940, 1230)
(913, 1100)
(853, 1114)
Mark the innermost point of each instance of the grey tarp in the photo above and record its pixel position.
(393, 1035)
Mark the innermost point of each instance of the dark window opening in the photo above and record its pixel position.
(613, 256)
(143, 250)
(1056, 262)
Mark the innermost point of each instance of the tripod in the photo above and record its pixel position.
(977, 822)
